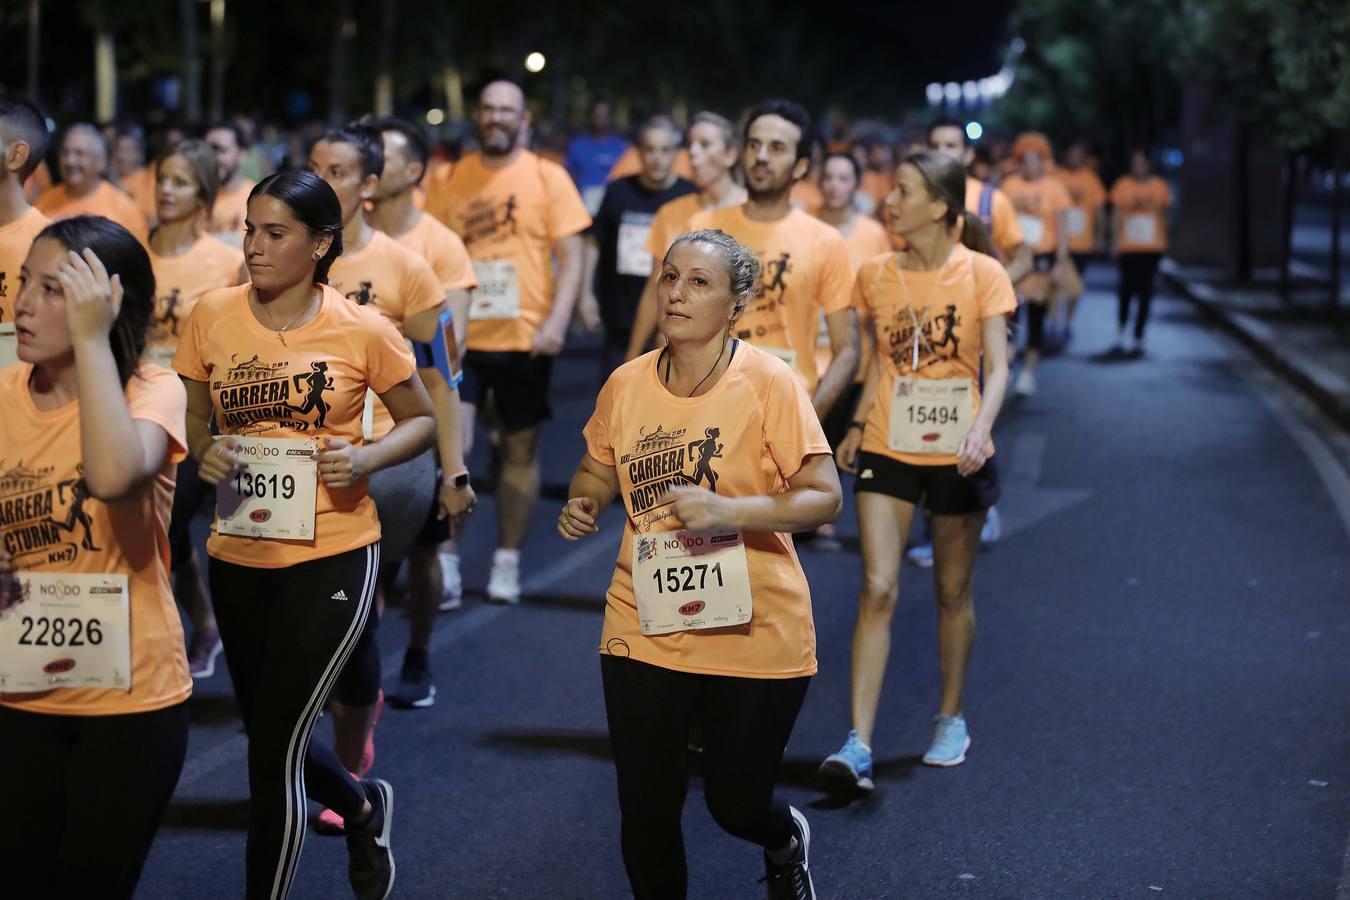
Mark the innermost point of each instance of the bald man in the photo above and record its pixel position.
(515, 212)
(83, 189)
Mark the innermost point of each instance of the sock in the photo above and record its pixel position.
(415, 657)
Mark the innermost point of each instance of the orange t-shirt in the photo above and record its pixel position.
(806, 272)
(311, 387)
(867, 239)
(748, 435)
(1088, 195)
(955, 300)
(1038, 204)
(630, 163)
(106, 201)
(49, 523)
(38, 183)
(877, 185)
(669, 223)
(229, 210)
(510, 218)
(1144, 204)
(15, 240)
(140, 187)
(1003, 225)
(179, 281)
(443, 250)
(806, 195)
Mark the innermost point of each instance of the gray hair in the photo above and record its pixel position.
(721, 123)
(741, 263)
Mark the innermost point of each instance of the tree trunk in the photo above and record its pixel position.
(454, 94)
(192, 67)
(217, 60)
(384, 77)
(1287, 226)
(105, 75)
(34, 46)
(1244, 219)
(343, 27)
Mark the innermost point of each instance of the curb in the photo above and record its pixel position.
(1325, 388)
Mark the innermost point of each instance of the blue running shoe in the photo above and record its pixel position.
(851, 766)
(951, 740)
(920, 555)
(992, 529)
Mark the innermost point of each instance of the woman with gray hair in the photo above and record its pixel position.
(719, 458)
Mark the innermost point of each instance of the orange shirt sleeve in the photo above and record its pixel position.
(452, 264)
(420, 288)
(156, 395)
(389, 362)
(566, 211)
(836, 278)
(599, 443)
(993, 289)
(792, 430)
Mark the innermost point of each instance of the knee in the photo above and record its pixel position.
(954, 596)
(520, 448)
(735, 813)
(879, 596)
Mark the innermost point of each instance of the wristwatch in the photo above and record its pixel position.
(460, 481)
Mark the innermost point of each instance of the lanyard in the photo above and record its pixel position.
(928, 304)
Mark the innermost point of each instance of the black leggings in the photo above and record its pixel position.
(1137, 271)
(746, 724)
(189, 493)
(84, 796)
(287, 633)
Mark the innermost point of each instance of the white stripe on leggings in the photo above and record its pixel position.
(293, 840)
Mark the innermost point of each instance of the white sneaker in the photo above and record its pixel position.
(504, 583)
(452, 585)
(1025, 386)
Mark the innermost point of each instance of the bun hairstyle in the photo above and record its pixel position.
(741, 263)
(945, 179)
(312, 201)
(122, 255)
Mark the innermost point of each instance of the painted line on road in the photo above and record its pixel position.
(234, 750)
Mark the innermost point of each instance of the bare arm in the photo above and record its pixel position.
(843, 329)
(549, 339)
(589, 306)
(424, 327)
(449, 443)
(1019, 266)
(973, 450)
(414, 428)
(846, 454)
(813, 499)
(458, 303)
(120, 453)
(593, 487)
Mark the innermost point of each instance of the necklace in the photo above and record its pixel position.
(705, 377)
(281, 332)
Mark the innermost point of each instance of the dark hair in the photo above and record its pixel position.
(791, 110)
(232, 128)
(367, 140)
(122, 255)
(947, 122)
(945, 179)
(311, 200)
(202, 160)
(848, 157)
(417, 142)
(123, 129)
(27, 123)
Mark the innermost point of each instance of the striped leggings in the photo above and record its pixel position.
(287, 633)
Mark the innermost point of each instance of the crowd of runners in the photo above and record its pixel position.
(296, 339)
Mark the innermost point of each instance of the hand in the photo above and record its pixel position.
(455, 504)
(92, 298)
(1059, 273)
(588, 310)
(973, 451)
(220, 459)
(11, 592)
(548, 340)
(577, 519)
(846, 454)
(341, 463)
(700, 510)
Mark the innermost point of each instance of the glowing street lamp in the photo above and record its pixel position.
(535, 62)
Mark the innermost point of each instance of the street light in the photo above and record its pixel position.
(435, 116)
(535, 62)
(974, 131)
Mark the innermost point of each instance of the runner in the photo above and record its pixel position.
(878, 178)
(227, 216)
(1086, 223)
(714, 154)
(1042, 205)
(23, 141)
(90, 438)
(805, 262)
(618, 262)
(1139, 240)
(83, 189)
(433, 563)
(284, 364)
(714, 409)
(515, 212)
(136, 179)
(187, 263)
(591, 154)
(938, 309)
(991, 204)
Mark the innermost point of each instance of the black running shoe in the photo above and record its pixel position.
(370, 856)
(792, 880)
(415, 688)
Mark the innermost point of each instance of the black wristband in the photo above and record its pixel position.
(860, 425)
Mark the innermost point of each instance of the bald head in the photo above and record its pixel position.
(501, 118)
(84, 156)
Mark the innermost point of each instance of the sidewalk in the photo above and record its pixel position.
(1295, 339)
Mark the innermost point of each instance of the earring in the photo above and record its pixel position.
(318, 255)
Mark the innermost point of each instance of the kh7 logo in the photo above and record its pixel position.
(59, 666)
(693, 608)
(260, 515)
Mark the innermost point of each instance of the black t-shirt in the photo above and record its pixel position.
(620, 229)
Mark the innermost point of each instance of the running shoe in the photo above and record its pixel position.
(370, 855)
(850, 767)
(920, 555)
(504, 583)
(1025, 385)
(951, 740)
(202, 653)
(992, 529)
(792, 880)
(452, 585)
(415, 688)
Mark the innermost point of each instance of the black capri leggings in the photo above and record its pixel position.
(746, 724)
(1137, 273)
(287, 633)
(189, 493)
(84, 797)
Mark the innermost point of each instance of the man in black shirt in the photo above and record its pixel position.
(617, 262)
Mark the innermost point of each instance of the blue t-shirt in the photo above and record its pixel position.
(589, 159)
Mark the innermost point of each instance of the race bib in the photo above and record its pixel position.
(592, 197)
(787, 356)
(273, 494)
(633, 258)
(1141, 228)
(1076, 221)
(1033, 229)
(930, 415)
(498, 293)
(9, 344)
(690, 580)
(68, 631)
